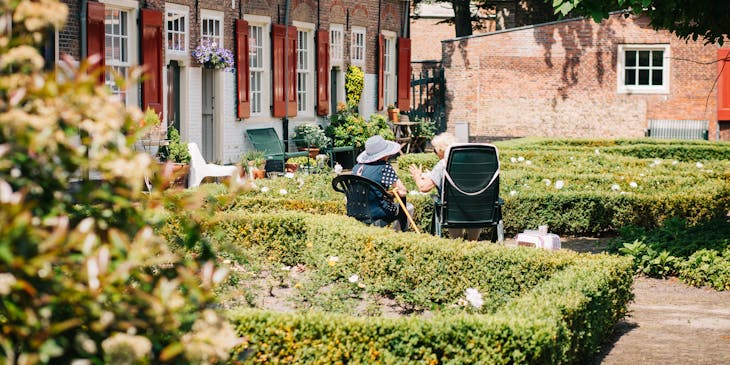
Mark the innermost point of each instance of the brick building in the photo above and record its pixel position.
(213, 108)
(577, 78)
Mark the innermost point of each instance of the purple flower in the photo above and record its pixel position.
(209, 55)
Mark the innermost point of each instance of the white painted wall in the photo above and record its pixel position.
(194, 107)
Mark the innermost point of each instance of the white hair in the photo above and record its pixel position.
(442, 141)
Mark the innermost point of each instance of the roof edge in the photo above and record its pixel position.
(527, 27)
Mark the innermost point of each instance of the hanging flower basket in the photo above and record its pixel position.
(213, 57)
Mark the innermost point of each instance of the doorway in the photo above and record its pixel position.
(207, 148)
(173, 95)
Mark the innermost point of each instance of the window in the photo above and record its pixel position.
(305, 68)
(176, 17)
(117, 24)
(256, 66)
(389, 71)
(211, 26)
(358, 46)
(643, 68)
(336, 35)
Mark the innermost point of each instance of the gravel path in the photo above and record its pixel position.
(669, 322)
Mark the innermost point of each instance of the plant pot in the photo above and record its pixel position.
(291, 167)
(393, 115)
(259, 173)
(176, 177)
(313, 152)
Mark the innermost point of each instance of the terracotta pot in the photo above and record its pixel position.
(313, 152)
(291, 167)
(259, 173)
(393, 115)
(176, 177)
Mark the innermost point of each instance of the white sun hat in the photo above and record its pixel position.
(376, 148)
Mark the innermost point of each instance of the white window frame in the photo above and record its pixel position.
(643, 89)
(212, 16)
(259, 98)
(305, 68)
(357, 46)
(337, 44)
(130, 95)
(181, 15)
(389, 72)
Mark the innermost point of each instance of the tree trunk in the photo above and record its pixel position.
(462, 17)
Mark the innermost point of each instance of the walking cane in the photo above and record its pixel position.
(403, 206)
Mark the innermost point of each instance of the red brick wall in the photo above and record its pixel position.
(361, 13)
(559, 80)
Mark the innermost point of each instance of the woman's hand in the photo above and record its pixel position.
(424, 183)
(416, 171)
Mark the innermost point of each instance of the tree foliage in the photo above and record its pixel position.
(688, 19)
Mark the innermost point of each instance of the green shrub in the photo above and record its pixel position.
(541, 307)
(176, 151)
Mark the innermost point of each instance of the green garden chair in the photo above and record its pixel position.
(470, 190)
(267, 141)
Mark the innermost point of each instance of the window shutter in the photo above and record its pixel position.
(95, 35)
(292, 97)
(151, 59)
(323, 71)
(242, 65)
(404, 74)
(283, 98)
(381, 69)
(723, 84)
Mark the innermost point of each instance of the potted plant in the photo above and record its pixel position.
(253, 163)
(211, 56)
(310, 137)
(176, 154)
(393, 113)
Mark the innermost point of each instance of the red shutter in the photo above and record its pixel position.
(243, 77)
(283, 98)
(95, 35)
(151, 29)
(292, 99)
(723, 84)
(404, 74)
(381, 69)
(323, 72)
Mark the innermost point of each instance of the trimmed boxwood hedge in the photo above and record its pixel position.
(544, 307)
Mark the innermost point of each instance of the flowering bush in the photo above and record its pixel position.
(211, 56)
(83, 276)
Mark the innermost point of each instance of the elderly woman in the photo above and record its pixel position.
(429, 180)
(373, 164)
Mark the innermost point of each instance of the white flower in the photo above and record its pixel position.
(699, 165)
(354, 278)
(547, 182)
(513, 193)
(265, 189)
(286, 268)
(332, 260)
(615, 187)
(283, 192)
(597, 151)
(301, 182)
(559, 184)
(675, 162)
(633, 184)
(657, 162)
(15, 172)
(7, 280)
(512, 159)
(528, 162)
(474, 297)
(7, 195)
(520, 158)
(289, 175)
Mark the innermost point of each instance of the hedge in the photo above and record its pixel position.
(543, 307)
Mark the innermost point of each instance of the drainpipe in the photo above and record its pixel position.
(285, 120)
(82, 38)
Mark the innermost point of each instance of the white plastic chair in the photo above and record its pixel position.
(199, 169)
